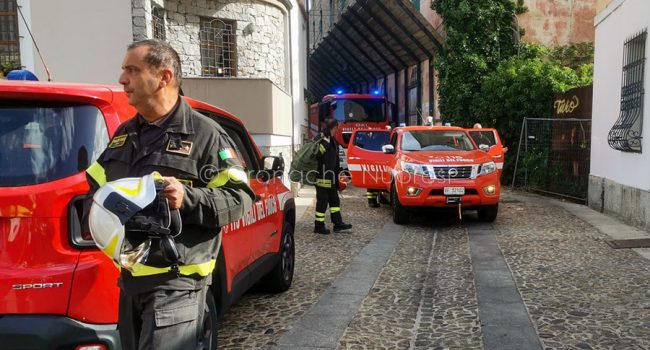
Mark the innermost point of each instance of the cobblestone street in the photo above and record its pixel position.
(578, 292)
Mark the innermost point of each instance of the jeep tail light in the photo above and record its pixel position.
(91, 347)
(78, 237)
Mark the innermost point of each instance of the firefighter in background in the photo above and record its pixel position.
(373, 195)
(480, 137)
(327, 181)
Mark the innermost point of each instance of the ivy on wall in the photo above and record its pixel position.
(480, 34)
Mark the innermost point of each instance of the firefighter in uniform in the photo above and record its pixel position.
(161, 307)
(373, 195)
(327, 181)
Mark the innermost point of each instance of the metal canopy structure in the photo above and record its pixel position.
(372, 39)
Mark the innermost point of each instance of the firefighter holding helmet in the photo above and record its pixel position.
(328, 182)
(190, 162)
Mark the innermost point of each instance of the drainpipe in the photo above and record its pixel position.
(293, 119)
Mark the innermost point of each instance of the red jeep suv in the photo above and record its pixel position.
(57, 291)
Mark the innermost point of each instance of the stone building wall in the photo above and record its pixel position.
(260, 29)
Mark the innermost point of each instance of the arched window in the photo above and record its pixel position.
(217, 48)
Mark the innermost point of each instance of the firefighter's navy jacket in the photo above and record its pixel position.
(328, 163)
(199, 153)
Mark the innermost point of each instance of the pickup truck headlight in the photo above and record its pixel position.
(412, 168)
(487, 168)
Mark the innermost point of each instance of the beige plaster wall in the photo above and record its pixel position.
(263, 107)
(559, 22)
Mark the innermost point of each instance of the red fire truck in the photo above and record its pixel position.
(353, 112)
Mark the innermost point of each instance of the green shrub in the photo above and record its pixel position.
(480, 34)
(521, 87)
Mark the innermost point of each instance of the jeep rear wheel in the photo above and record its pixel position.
(488, 213)
(400, 215)
(208, 339)
(280, 278)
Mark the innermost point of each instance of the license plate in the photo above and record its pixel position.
(454, 191)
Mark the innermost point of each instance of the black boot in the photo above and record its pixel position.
(339, 225)
(342, 227)
(319, 227)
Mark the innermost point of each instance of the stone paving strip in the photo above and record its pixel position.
(505, 321)
(259, 320)
(325, 322)
(580, 293)
(424, 298)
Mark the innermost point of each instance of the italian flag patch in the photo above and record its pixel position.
(227, 153)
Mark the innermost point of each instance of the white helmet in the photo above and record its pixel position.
(113, 205)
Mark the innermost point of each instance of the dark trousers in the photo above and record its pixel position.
(325, 197)
(161, 319)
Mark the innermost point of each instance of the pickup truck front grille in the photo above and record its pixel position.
(453, 172)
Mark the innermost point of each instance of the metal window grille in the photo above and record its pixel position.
(158, 23)
(217, 48)
(626, 134)
(9, 44)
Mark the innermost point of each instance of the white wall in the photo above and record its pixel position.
(298, 70)
(81, 40)
(621, 20)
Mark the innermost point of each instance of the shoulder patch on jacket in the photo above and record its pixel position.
(227, 153)
(118, 141)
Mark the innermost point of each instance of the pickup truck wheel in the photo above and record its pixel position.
(488, 213)
(400, 215)
(208, 339)
(280, 278)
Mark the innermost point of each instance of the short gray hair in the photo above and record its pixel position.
(160, 55)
